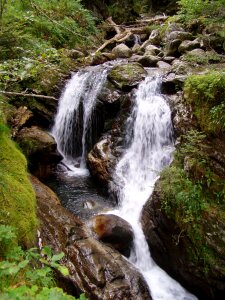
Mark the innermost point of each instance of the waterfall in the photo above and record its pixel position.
(75, 123)
(150, 150)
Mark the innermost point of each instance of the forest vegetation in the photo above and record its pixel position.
(37, 43)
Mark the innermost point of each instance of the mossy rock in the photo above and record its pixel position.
(17, 198)
(206, 94)
(127, 76)
(34, 139)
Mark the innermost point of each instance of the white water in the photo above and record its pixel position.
(135, 175)
(134, 178)
(83, 88)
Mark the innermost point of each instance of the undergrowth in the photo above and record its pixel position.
(191, 194)
(206, 94)
(28, 274)
(17, 198)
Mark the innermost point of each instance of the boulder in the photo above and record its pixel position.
(152, 50)
(181, 67)
(127, 76)
(149, 60)
(155, 37)
(99, 161)
(174, 251)
(178, 35)
(172, 47)
(75, 54)
(99, 271)
(168, 59)
(122, 51)
(20, 118)
(188, 45)
(172, 27)
(171, 83)
(163, 65)
(40, 148)
(113, 231)
(98, 59)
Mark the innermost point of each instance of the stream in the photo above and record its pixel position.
(150, 149)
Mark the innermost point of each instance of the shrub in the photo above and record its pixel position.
(206, 94)
(209, 11)
(28, 274)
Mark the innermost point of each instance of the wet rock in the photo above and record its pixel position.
(163, 65)
(127, 76)
(99, 271)
(122, 51)
(104, 155)
(44, 193)
(171, 248)
(135, 57)
(99, 161)
(171, 83)
(182, 115)
(113, 231)
(98, 59)
(149, 60)
(188, 46)
(40, 148)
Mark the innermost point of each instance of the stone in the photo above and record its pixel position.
(188, 46)
(75, 54)
(98, 59)
(20, 118)
(99, 160)
(136, 48)
(95, 269)
(172, 48)
(149, 60)
(173, 250)
(163, 65)
(122, 51)
(127, 76)
(155, 37)
(180, 67)
(178, 35)
(40, 148)
(171, 83)
(152, 50)
(168, 59)
(113, 231)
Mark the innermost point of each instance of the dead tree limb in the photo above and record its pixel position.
(28, 95)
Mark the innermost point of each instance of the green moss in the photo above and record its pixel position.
(193, 196)
(127, 75)
(206, 58)
(17, 198)
(206, 94)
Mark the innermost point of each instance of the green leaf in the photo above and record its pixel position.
(47, 251)
(63, 270)
(57, 257)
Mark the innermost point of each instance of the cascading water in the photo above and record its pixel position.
(135, 175)
(73, 123)
(149, 150)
